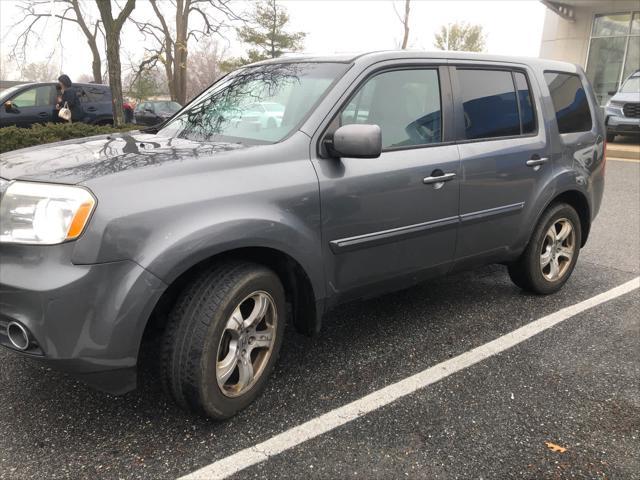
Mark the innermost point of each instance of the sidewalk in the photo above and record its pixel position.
(628, 151)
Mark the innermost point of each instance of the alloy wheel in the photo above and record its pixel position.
(558, 249)
(246, 344)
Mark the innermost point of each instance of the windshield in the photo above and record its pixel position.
(229, 111)
(632, 85)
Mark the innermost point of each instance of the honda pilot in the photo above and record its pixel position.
(383, 170)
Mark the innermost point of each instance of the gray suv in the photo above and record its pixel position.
(212, 233)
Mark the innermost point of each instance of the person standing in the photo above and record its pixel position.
(127, 107)
(71, 97)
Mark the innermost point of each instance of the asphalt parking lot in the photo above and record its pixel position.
(576, 385)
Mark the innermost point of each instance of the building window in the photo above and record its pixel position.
(614, 52)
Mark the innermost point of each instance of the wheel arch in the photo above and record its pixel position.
(578, 200)
(299, 290)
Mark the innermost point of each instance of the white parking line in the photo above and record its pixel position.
(335, 418)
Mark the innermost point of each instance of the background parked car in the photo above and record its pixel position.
(29, 103)
(155, 112)
(622, 111)
(260, 114)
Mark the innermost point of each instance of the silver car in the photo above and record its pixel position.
(622, 112)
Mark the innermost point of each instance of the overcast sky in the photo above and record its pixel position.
(334, 26)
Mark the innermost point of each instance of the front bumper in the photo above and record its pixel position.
(622, 125)
(86, 320)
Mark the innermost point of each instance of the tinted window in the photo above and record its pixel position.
(94, 95)
(405, 104)
(489, 103)
(527, 115)
(570, 102)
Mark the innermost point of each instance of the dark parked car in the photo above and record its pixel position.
(29, 103)
(386, 169)
(622, 112)
(154, 112)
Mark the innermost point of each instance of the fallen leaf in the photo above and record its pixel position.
(555, 448)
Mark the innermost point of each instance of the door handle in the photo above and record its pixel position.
(91, 109)
(43, 114)
(444, 177)
(535, 162)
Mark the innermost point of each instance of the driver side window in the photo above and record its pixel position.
(405, 104)
(33, 97)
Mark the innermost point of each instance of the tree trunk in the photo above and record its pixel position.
(96, 64)
(405, 39)
(112, 29)
(180, 53)
(115, 80)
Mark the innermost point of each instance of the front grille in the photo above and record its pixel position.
(631, 110)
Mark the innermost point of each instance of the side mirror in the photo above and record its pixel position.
(8, 106)
(357, 141)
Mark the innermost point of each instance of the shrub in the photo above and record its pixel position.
(12, 138)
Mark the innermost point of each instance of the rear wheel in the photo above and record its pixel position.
(223, 339)
(552, 253)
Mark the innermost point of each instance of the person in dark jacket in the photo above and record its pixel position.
(70, 96)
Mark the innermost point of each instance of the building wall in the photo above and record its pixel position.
(569, 41)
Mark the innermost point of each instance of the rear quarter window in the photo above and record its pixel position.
(569, 102)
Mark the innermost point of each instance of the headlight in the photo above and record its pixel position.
(43, 214)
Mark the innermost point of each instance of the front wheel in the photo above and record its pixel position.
(611, 137)
(552, 253)
(223, 338)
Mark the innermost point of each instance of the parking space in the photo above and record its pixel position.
(575, 385)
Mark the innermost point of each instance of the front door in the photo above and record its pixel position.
(504, 152)
(33, 105)
(391, 218)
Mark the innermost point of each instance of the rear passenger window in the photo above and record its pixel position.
(94, 95)
(405, 104)
(570, 102)
(489, 103)
(527, 116)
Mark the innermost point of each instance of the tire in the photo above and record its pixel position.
(611, 137)
(544, 266)
(201, 332)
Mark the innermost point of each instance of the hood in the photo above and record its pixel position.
(626, 97)
(79, 160)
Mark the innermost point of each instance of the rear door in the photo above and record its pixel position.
(383, 225)
(504, 152)
(96, 103)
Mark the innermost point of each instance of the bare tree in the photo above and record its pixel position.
(70, 11)
(112, 29)
(405, 23)
(205, 65)
(38, 72)
(171, 44)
